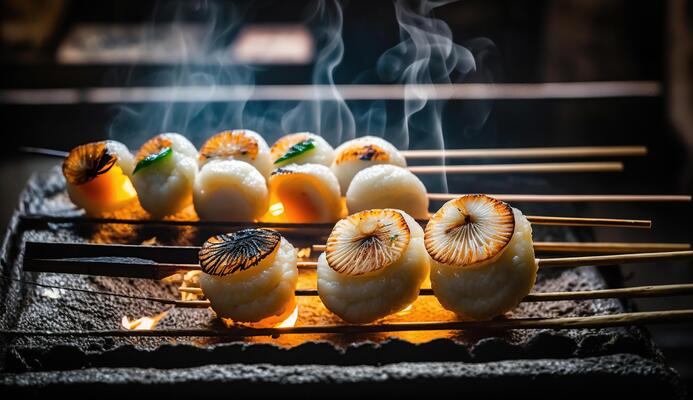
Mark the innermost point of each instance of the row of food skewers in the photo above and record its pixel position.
(236, 176)
(476, 251)
(298, 179)
(476, 254)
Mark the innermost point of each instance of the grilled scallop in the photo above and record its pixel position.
(301, 148)
(373, 266)
(354, 155)
(97, 176)
(250, 276)
(482, 256)
(164, 174)
(238, 144)
(387, 186)
(304, 193)
(230, 190)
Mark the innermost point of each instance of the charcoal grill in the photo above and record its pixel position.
(588, 361)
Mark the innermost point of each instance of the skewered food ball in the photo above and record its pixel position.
(238, 144)
(230, 190)
(354, 155)
(482, 256)
(98, 176)
(388, 186)
(165, 172)
(304, 193)
(250, 276)
(301, 148)
(373, 266)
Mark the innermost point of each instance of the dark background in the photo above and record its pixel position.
(535, 41)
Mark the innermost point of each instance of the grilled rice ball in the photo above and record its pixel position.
(164, 174)
(250, 276)
(388, 186)
(301, 148)
(97, 176)
(238, 144)
(374, 265)
(482, 256)
(230, 190)
(305, 193)
(355, 155)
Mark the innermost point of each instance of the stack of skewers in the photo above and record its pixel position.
(475, 254)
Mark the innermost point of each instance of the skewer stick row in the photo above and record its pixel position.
(106, 266)
(590, 322)
(630, 292)
(575, 198)
(590, 247)
(530, 152)
(607, 166)
(527, 152)
(613, 259)
(537, 220)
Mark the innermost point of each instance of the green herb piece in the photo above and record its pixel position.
(153, 159)
(296, 150)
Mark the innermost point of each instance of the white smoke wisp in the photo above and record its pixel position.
(203, 62)
(331, 118)
(426, 54)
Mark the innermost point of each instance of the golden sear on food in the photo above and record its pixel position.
(364, 152)
(469, 230)
(233, 252)
(284, 144)
(229, 144)
(367, 241)
(87, 161)
(152, 146)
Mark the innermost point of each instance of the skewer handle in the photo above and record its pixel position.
(600, 222)
(530, 152)
(590, 247)
(520, 168)
(613, 259)
(629, 292)
(574, 198)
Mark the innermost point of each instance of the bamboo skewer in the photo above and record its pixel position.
(574, 198)
(596, 321)
(613, 259)
(591, 247)
(534, 219)
(556, 167)
(529, 152)
(520, 152)
(117, 266)
(629, 292)
(601, 222)
(608, 166)
(189, 254)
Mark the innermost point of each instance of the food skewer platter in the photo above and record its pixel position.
(59, 257)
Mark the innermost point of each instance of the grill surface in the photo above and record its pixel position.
(624, 357)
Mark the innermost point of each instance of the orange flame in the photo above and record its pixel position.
(142, 323)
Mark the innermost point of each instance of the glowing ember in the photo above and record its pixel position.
(290, 320)
(406, 310)
(191, 279)
(276, 209)
(143, 323)
(303, 252)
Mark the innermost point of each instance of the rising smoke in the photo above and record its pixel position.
(425, 54)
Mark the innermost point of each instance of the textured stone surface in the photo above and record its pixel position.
(491, 354)
(622, 375)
